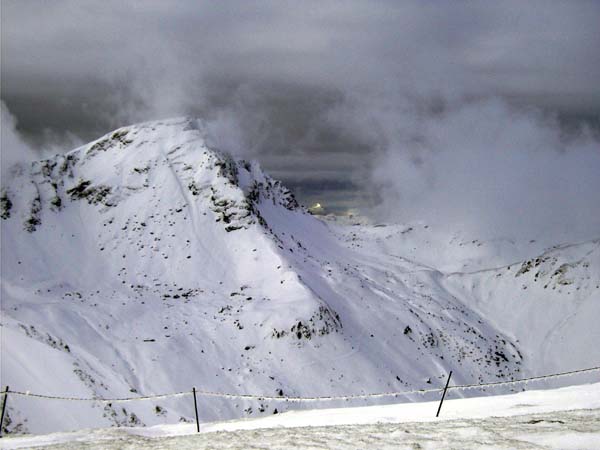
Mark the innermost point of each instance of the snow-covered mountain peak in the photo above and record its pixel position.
(128, 161)
(154, 207)
(147, 262)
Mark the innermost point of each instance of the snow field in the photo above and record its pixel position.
(561, 418)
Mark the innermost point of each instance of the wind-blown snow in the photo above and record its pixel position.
(147, 262)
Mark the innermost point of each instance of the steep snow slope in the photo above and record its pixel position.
(147, 262)
(546, 299)
(549, 303)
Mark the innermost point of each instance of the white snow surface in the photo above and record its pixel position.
(147, 262)
(560, 418)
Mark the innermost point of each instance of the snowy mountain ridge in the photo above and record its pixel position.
(54, 179)
(147, 262)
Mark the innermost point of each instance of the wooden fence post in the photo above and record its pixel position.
(3, 409)
(196, 409)
(444, 394)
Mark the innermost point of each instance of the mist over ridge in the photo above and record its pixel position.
(481, 116)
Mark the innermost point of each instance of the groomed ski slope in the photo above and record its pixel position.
(560, 418)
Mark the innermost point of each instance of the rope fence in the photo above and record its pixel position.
(299, 399)
(525, 380)
(195, 392)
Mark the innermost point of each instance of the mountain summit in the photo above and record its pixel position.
(147, 262)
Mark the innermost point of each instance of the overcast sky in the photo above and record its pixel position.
(402, 110)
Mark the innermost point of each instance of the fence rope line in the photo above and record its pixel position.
(320, 398)
(99, 399)
(524, 380)
(294, 398)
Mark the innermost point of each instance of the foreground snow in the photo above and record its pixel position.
(561, 418)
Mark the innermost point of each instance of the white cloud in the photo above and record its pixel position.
(492, 170)
(14, 149)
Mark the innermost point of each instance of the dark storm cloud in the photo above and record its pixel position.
(327, 95)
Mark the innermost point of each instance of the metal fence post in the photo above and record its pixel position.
(3, 409)
(196, 409)
(444, 394)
